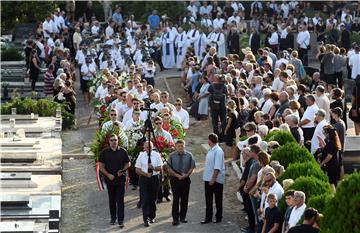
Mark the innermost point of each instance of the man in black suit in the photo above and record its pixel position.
(234, 41)
(254, 40)
(345, 37)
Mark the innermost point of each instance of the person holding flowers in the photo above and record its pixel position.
(181, 113)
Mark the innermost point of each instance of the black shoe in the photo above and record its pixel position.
(183, 220)
(152, 220)
(146, 224)
(168, 198)
(175, 223)
(205, 221)
(217, 221)
(121, 224)
(112, 221)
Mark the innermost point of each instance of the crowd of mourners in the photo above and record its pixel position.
(247, 92)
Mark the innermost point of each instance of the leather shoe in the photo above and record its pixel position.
(121, 224)
(217, 221)
(175, 223)
(168, 198)
(183, 220)
(112, 221)
(205, 222)
(146, 224)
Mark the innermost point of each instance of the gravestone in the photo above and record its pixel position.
(15, 202)
(13, 157)
(17, 226)
(351, 157)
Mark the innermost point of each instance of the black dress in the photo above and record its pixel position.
(71, 102)
(231, 133)
(331, 168)
(336, 103)
(355, 105)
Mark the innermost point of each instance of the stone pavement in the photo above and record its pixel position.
(85, 209)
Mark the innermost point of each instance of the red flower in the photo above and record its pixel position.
(174, 133)
(102, 108)
(107, 99)
(166, 126)
(161, 139)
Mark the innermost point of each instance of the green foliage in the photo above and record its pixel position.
(296, 170)
(355, 37)
(311, 186)
(342, 213)
(18, 12)
(320, 202)
(244, 40)
(42, 107)
(280, 136)
(291, 153)
(11, 54)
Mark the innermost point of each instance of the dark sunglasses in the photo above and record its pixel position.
(113, 140)
(158, 123)
(177, 104)
(112, 114)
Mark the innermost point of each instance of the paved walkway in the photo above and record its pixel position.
(85, 209)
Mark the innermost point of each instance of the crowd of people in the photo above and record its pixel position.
(247, 92)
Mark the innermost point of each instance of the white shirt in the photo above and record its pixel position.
(193, 10)
(143, 159)
(276, 189)
(281, 60)
(267, 106)
(274, 39)
(142, 95)
(218, 23)
(205, 10)
(128, 115)
(101, 92)
(206, 22)
(48, 27)
(86, 69)
(183, 116)
(160, 106)
(108, 124)
(214, 161)
(165, 134)
(95, 30)
(303, 39)
(296, 214)
(318, 132)
(354, 62)
(285, 8)
(242, 144)
(310, 115)
(234, 18)
(109, 31)
(42, 49)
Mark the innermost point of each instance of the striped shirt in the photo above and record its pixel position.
(48, 83)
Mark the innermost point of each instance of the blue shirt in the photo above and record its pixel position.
(214, 160)
(154, 20)
(117, 17)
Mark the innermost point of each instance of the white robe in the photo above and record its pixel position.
(193, 35)
(220, 42)
(200, 45)
(181, 44)
(168, 59)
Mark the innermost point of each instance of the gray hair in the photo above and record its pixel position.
(300, 194)
(293, 118)
(321, 112)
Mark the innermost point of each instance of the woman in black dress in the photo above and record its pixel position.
(34, 69)
(354, 113)
(337, 96)
(231, 127)
(328, 159)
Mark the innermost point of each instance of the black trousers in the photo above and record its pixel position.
(163, 190)
(116, 200)
(308, 133)
(217, 115)
(211, 191)
(248, 209)
(180, 190)
(148, 190)
(303, 56)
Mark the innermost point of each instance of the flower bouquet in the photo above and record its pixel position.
(175, 129)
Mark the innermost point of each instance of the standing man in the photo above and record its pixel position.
(113, 163)
(214, 176)
(303, 41)
(180, 166)
(148, 170)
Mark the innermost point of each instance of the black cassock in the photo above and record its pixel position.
(234, 42)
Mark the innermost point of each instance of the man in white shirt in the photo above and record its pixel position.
(205, 8)
(213, 177)
(354, 62)
(274, 39)
(141, 94)
(322, 101)
(181, 43)
(95, 28)
(113, 120)
(193, 8)
(274, 186)
(160, 132)
(148, 168)
(298, 209)
(234, 18)
(267, 104)
(130, 87)
(318, 133)
(303, 41)
(168, 53)
(206, 22)
(307, 121)
(218, 22)
(47, 27)
(164, 102)
(181, 114)
(200, 44)
(109, 31)
(135, 106)
(220, 42)
(102, 90)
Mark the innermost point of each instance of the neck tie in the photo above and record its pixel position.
(194, 33)
(181, 158)
(180, 49)
(199, 50)
(167, 45)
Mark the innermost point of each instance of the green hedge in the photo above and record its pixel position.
(342, 213)
(320, 202)
(291, 153)
(296, 170)
(42, 107)
(311, 186)
(280, 136)
(11, 54)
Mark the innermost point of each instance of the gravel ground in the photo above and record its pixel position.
(85, 209)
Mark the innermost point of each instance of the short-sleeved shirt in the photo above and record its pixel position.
(303, 228)
(273, 216)
(245, 174)
(114, 160)
(254, 169)
(181, 163)
(214, 160)
(143, 160)
(154, 20)
(310, 115)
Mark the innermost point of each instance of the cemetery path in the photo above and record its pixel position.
(85, 209)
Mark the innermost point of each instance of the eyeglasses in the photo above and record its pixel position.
(112, 114)
(158, 123)
(113, 140)
(177, 104)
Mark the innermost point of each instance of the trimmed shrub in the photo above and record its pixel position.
(11, 54)
(280, 136)
(296, 170)
(320, 202)
(291, 153)
(311, 186)
(342, 213)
